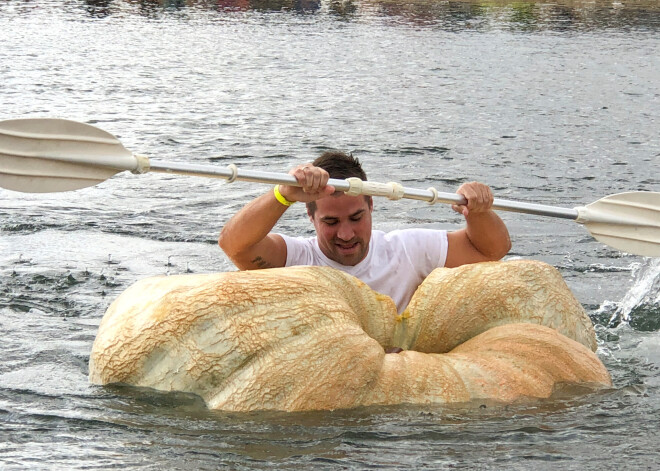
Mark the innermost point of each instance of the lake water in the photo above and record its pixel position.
(549, 102)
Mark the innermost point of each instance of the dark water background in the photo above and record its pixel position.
(549, 102)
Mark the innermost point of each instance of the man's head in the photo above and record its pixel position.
(342, 223)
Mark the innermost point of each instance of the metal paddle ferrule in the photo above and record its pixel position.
(52, 155)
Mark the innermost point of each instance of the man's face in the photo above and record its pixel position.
(343, 227)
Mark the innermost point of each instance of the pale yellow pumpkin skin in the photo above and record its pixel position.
(313, 338)
(453, 305)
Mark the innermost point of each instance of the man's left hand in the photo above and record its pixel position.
(479, 198)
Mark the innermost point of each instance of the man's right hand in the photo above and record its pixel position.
(313, 181)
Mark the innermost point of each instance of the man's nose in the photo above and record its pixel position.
(345, 231)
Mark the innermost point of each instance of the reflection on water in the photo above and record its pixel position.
(518, 15)
(552, 102)
(526, 15)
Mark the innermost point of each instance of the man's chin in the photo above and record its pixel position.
(349, 259)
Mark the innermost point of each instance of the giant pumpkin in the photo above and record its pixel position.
(310, 338)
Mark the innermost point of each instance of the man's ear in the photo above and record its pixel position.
(371, 204)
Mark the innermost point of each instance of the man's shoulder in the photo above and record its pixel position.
(426, 249)
(404, 240)
(297, 239)
(301, 250)
(415, 233)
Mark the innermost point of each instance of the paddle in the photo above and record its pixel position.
(50, 155)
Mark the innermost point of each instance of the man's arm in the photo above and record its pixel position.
(246, 238)
(485, 237)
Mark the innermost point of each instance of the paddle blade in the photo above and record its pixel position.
(629, 222)
(49, 155)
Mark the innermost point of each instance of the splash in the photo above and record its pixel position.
(640, 307)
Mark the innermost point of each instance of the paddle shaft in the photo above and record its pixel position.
(51, 155)
(342, 185)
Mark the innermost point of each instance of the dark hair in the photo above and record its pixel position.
(339, 165)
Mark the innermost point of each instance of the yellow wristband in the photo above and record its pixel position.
(279, 197)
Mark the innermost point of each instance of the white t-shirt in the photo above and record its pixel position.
(396, 263)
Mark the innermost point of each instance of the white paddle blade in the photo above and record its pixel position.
(629, 222)
(50, 155)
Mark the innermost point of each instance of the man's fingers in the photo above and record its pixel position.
(316, 181)
(313, 183)
(312, 178)
(479, 197)
(325, 176)
(460, 209)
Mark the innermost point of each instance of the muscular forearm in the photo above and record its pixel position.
(246, 230)
(246, 238)
(488, 234)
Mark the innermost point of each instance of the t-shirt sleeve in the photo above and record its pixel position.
(299, 250)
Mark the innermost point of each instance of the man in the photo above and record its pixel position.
(394, 263)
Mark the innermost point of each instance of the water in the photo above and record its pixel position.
(555, 103)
